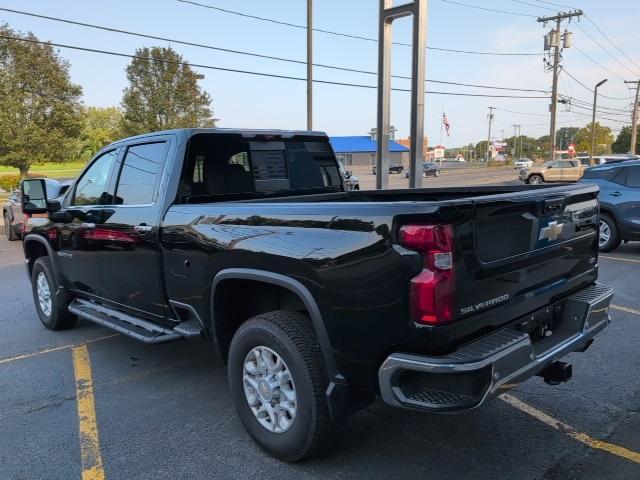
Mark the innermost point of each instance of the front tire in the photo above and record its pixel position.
(609, 237)
(535, 180)
(278, 382)
(51, 308)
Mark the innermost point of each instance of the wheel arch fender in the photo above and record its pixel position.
(296, 288)
(30, 254)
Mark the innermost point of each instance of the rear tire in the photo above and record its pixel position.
(608, 235)
(8, 229)
(51, 307)
(296, 399)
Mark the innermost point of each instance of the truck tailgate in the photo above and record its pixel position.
(521, 251)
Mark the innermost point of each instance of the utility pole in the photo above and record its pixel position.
(309, 64)
(553, 41)
(593, 120)
(634, 118)
(489, 134)
(515, 142)
(520, 137)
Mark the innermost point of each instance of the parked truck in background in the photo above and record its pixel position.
(317, 298)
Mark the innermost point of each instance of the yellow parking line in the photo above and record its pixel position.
(625, 309)
(88, 426)
(570, 431)
(53, 349)
(618, 258)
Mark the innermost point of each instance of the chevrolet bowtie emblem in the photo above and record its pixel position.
(551, 231)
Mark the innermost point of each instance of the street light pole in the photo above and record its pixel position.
(593, 120)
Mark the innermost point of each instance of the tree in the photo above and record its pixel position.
(623, 141)
(565, 136)
(481, 150)
(40, 114)
(163, 93)
(100, 126)
(603, 139)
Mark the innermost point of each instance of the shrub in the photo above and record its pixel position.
(10, 182)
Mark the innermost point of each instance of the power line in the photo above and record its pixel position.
(492, 10)
(598, 63)
(251, 54)
(523, 113)
(250, 72)
(564, 70)
(556, 4)
(611, 41)
(601, 118)
(347, 35)
(533, 5)
(590, 108)
(615, 111)
(605, 50)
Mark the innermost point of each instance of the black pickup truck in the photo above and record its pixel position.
(317, 298)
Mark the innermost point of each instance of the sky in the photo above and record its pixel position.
(247, 101)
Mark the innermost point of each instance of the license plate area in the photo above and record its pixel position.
(543, 323)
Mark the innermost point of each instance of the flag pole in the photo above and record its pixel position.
(441, 122)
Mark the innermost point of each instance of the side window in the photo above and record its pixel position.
(140, 170)
(553, 164)
(92, 187)
(633, 177)
(621, 176)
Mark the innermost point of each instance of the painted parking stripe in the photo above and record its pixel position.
(625, 309)
(570, 431)
(54, 349)
(92, 468)
(619, 258)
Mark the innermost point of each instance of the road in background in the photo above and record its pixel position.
(451, 175)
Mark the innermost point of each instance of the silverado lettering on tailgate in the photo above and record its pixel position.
(485, 304)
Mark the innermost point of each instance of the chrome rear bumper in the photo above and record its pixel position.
(493, 364)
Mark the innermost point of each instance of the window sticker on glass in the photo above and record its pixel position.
(317, 147)
(269, 165)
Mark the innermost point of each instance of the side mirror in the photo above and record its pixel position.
(33, 196)
(348, 173)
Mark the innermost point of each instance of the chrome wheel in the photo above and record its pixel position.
(535, 180)
(44, 294)
(605, 234)
(269, 389)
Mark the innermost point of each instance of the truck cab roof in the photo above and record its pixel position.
(246, 133)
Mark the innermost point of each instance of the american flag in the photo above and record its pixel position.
(445, 122)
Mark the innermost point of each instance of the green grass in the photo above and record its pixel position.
(51, 170)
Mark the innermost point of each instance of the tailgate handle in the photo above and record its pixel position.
(554, 206)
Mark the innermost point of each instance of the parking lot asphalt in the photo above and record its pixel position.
(164, 411)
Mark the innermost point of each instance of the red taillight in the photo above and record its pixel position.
(25, 219)
(432, 290)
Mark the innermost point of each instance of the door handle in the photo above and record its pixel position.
(615, 194)
(143, 228)
(88, 226)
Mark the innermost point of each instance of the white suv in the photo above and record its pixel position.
(523, 163)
